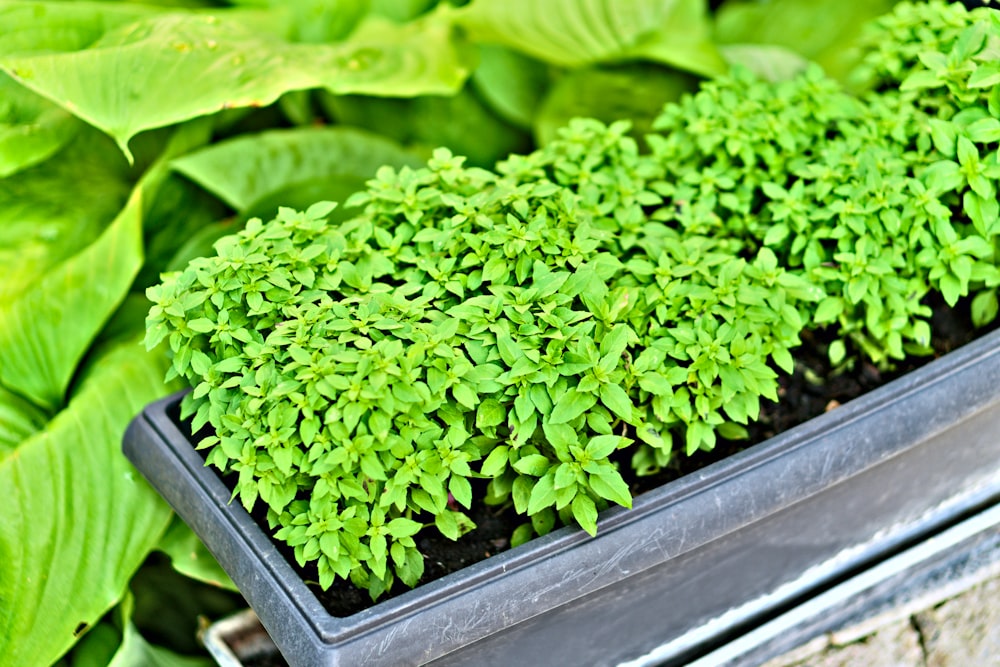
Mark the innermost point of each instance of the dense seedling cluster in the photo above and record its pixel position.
(878, 200)
(522, 326)
(353, 373)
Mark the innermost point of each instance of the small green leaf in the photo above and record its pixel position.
(951, 288)
(495, 463)
(828, 310)
(776, 235)
(403, 527)
(616, 400)
(601, 446)
(535, 465)
(490, 413)
(447, 524)
(986, 75)
(984, 131)
(585, 513)
(615, 341)
(783, 358)
(560, 436)
(984, 308)
(461, 490)
(571, 405)
(837, 352)
(565, 476)
(465, 395)
(543, 494)
(611, 486)
(522, 534)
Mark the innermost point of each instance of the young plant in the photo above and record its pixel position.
(949, 74)
(880, 200)
(354, 375)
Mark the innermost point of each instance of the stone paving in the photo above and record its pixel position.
(962, 631)
(946, 616)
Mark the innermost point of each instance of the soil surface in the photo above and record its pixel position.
(812, 389)
(273, 659)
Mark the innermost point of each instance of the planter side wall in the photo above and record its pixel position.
(685, 593)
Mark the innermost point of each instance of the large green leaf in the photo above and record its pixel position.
(170, 607)
(252, 168)
(190, 557)
(19, 420)
(51, 211)
(77, 519)
(177, 211)
(172, 67)
(52, 311)
(317, 21)
(46, 329)
(470, 129)
(580, 32)
(819, 30)
(135, 651)
(117, 642)
(636, 91)
(96, 648)
(179, 216)
(401, 10)
(684, 40)
(31, 127)
(768, 61)
(46, 27)
(511, 83)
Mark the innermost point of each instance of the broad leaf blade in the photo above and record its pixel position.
(128, 80)
(135, 651)
(571, 33)
(177, 213)
(471, 130)
(819, 30)
(50, 212)
(245, 170)
(19, 420)
(511, 83)
(190, 557)
(79, 519)
(32, 128)
(45, 330)
(768, 61)
(37, 27)
(683, 40)
(636, 91)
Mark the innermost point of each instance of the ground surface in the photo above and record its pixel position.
(963, 631)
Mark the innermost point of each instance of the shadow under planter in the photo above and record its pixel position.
(693, 563)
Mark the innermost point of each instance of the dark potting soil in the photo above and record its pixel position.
(812, 389)
(272, 659)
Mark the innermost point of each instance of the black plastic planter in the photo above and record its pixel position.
(690, 566)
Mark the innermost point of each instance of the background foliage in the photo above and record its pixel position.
(133, 135)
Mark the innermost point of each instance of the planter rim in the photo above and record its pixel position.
(333, 629)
